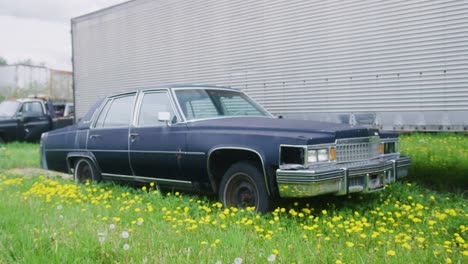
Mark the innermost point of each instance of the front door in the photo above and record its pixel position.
(33, 121)
(158, 147)
(108, 138)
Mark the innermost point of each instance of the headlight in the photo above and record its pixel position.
(318, 155)
(312, 156)
(388, 147)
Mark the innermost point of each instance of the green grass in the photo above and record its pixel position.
(439, 161)
(19, 155)
(56, 221)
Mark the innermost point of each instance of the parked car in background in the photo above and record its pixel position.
(27, 118)
(218, 140)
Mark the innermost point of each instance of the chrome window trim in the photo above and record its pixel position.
(139, 103)
(112, 98)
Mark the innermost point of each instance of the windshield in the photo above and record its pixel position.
(203, 104)
(8, 108)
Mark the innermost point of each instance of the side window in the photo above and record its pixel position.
(117, 112)
(152, 104)
(32, 109)
(102, 115)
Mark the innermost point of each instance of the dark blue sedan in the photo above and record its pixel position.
(218, 140)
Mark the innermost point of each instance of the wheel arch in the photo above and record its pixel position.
(72, 157)
(221, 158)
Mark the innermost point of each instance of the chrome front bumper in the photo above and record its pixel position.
(342, 179)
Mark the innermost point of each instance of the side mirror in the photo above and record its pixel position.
(164, 117)
(20, 116)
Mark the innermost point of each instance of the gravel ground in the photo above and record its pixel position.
(30, 172)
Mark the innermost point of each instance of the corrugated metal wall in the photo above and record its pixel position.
(392, 64)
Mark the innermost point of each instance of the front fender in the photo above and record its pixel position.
(252, 149)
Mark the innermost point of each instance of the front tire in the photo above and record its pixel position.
(243, 186)
(85, 170)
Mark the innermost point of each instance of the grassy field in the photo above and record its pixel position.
(439, 160)
(47, 220)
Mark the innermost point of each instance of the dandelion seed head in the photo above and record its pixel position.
(124, 234)
(101, 237)
(59, 207)
(238, 260)
(126, 247)
(112, 226)
(271, 258)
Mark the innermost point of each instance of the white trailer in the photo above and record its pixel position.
(396, 65)
(21, 80)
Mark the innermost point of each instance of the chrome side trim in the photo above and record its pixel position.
(167, 152)
(120, 151)
(211, 176)
(149, 179)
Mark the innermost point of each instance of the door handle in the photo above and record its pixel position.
(94, 136)
(133, 136)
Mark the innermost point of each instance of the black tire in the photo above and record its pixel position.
(85, 170)
(243, 186)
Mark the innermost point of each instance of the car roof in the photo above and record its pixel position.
(177, 86)
(23, 100)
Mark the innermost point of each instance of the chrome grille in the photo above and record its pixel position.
(356, 149)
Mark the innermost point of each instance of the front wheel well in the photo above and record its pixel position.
(221, 160)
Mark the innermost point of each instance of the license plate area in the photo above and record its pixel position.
(375, 182)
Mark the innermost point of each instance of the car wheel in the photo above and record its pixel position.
(85, 170)
(243, 186)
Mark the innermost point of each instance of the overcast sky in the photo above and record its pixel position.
(40, 29)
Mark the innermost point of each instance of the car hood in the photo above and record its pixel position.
(6, 120)
(305, 131)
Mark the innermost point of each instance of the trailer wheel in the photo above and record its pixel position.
(85, 170)
(243, 186)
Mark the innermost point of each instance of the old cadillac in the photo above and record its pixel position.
(218, 140)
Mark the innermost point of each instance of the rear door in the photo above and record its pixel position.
(108, 138)
(157, 148)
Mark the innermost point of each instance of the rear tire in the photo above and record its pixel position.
(85, 170)
(243, 186)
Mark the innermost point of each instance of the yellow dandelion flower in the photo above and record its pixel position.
(391, 253)
(349, 244)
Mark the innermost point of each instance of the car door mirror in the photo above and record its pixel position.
(20, 116)
(164, 117)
